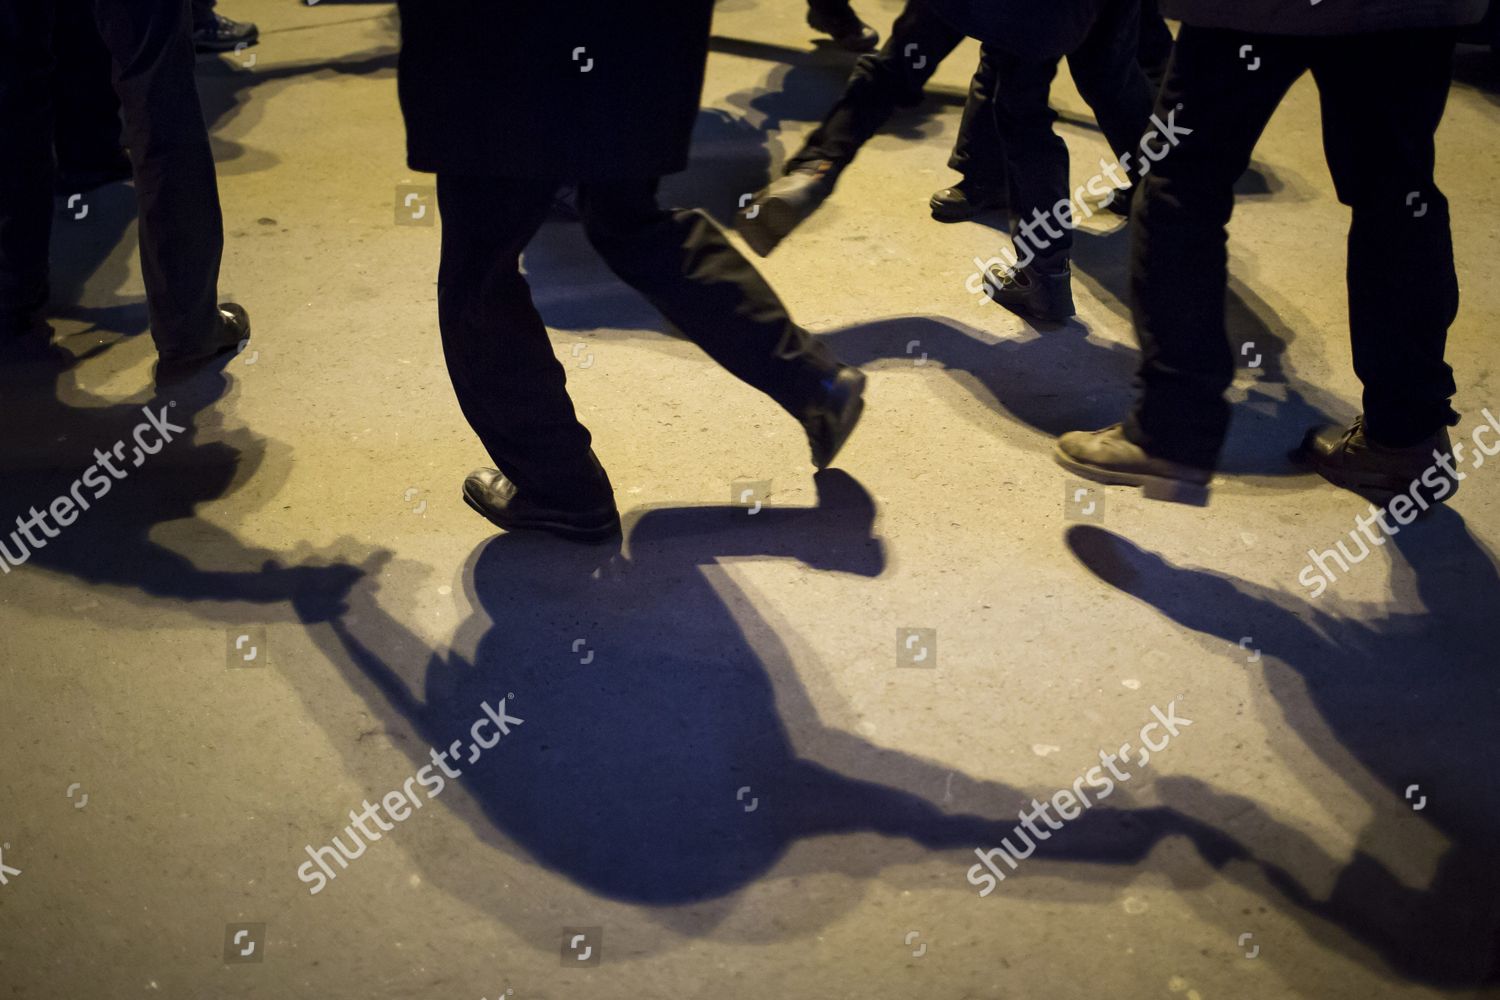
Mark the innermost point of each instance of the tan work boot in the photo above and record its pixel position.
(1108, 456)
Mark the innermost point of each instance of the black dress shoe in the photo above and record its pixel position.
(845, 28)
(964, 201)
(831, 417)
(488, 492)
(782, 206)
(224, 34)
(1036, 291)
(228, 340)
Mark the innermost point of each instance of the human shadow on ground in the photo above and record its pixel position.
(670, 754)
(164, 453)
(1409, 696)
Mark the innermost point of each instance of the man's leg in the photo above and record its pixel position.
(1179, 244)
(1378, 133)
(1169, 444)
(880, 83)
(681, 262)
(509, 383)
(1111, 81)
(1155, 48)
(181, 228)
(978, 153)
(26, 167)
(1039, 285)
(86, 110)
(837, 19)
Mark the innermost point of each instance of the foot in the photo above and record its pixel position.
(1347, 457)
(831, 417)
(845, 28)
(1118, 201)
(1109, 457)
(783, 204)
(222, 34)
(228, 340)
(964, 201)
(492, 495)
(1038, 291)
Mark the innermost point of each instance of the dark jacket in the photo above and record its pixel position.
(577, 90)
(1324, 17)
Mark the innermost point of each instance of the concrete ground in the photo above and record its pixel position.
(740, 773)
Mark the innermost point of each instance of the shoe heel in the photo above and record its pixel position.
(1175, 491)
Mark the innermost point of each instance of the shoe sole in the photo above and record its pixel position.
(1152, 487)
(222, 47)
(1381, 493)
(559, 529)
(943, 215)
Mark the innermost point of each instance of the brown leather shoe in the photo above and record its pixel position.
(1108, 456)
(1347, 457)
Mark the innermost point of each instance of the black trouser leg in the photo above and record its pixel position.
(1155, 43)
(509, 383)
(181, 228)
(26, 167)
(880, 83)
(1403, 291)
(978, 153)
(203, 12)
(682, 263)
(1111, 81)
(86, 110)
(1036, 157)
(1179, 259)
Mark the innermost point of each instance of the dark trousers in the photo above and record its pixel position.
(86, 110)
(1155, 44)
(181, 230)
(1378, 137)
(1109, 78)
(978, 153)
(881, 82)
(510, 385)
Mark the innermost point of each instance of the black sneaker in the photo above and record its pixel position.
(831, 417)
(784, 203)
(1347, 457)
(844, 27)
(965, 200)
(222, 34)
(228, 340)
(1039, 293)
(489, 493)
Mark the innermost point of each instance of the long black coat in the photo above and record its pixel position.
(552, 89)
